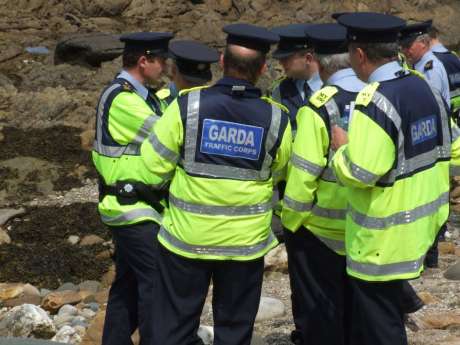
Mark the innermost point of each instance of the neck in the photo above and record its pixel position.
(135, 73)
(236, 75)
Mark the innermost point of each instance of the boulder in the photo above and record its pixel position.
(453, 272)
(67, 335)
(27, 321)
(10, 291)
(55, 300)
(88, 49)
(270, 308)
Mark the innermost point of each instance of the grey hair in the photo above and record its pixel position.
(335, 62)
(377, 52)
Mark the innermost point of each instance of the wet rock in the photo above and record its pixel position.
(27, 321)
(90, 285)
(55, 300)
(8, 213)
(73, 239)
(453, 272)
(90, 240)
(67, 335)
(4, 237)
(270, 308)
(9, 291)
(442, 320)
(88, 49)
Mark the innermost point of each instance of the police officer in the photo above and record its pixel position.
(415, 44)
(221, 145)
(398, 144)
(451, 63)
(126, 113)
(191, 67)
(314, 204)
(301, 69)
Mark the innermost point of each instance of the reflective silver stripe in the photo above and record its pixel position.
(244, 210)
(297, 205)
(131, 215)
(144, 131)
(359, 173)
(333, 111)
(162, 150)
(328, 175)
(400, 218)
(454, 170)
(386, 269)
(216, 250)
(455, 93)
(222, 171)
(330, 213)
(335, 245)
(303, 164)
(455, 133)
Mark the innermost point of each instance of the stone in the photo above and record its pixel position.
(68, 309)
(87, 139)
(55, 300)
(67, 287)
(90, 240)
(442, 320)
(270, 308)
(453, 272)
(93, 334)
(257, 340)
(90, 285)
(455, 193)
(44, 292)
(428, 298)
(62, 320)
(10, 291)
(7, 213)
(108, 7)
(80, 330)
(67, 335)
(105, 254)
(30, 290)
(88, 49)
(4, 237)
(457, 251)
(73, 239)
(206, 333)
(79, 321)
(102, 296)
(87, 314)
(108, 278)
(276, 260)
(93, 306)
(27, 320)
(446, 248)
(23, 299)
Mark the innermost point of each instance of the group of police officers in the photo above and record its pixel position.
(357, 143)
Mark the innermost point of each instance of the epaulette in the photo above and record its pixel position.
(127, 87)
(320, 97)
(270, 100)
(163, 93)
(428, 66)
(366, 94)
(186, 91)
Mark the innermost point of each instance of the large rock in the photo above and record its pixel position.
(8, 213)
(55, 300)
(4, 237)
(67, 335)
(442, 320)
(27, 321)
(276, 260)
(453, 272)
(270, 308)
(10, 291)
(88, 49)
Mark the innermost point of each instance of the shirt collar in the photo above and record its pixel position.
(346, 79)
(425, 58)
(439, 48)
(385, 72)
(141, 90)
(248, 87)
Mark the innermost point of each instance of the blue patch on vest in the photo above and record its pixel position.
(423, 130)
(231, 139)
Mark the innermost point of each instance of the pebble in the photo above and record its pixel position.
(62, 320)
(90, 285)
(79, 321)
(68, 309)
(87, 314)
(73, 240)
(67, 287)
(44, 292)
(93, 306)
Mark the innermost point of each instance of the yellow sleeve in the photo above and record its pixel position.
(160, 151)
(130, 118)
(283, 154)
(455, 154)
(309, 158)
(369, 154)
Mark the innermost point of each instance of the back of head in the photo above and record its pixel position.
(243, 63)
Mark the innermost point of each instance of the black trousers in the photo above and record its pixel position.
(319, 286)
(432, 256)
(377, 313)
(184, 285)
(131, 297)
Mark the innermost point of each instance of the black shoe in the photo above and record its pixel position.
(296, 337)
